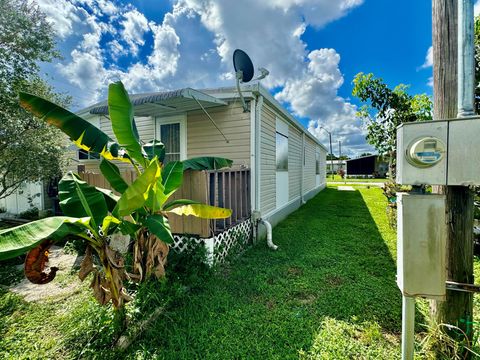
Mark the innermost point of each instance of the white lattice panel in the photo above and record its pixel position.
(230, 241)
(183, 242)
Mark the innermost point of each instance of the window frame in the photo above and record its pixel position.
(175, 119)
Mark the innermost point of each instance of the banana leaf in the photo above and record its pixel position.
(156, 196)
(110, 197)
(206, 163)
(109, 223)
(172, 176)
(79, 199)
(111, 172)
(157, 224)
(136, 194)
(81, 132)
(202, 211)
(120, 110)
(18, 240)
(155, 148)
(176, 203)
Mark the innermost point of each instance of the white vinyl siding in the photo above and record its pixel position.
(309, 175)
(267, 161)
(203, 138)
(294, 162)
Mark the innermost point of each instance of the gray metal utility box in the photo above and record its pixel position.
(421, 245)
(443, 152)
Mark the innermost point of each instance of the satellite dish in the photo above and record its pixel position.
(243, 66)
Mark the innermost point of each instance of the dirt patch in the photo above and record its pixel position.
(56, 288)
(334, 280)
(294, 271)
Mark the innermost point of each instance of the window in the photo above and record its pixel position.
(170, 137)
(317, 163)
(85, 155)
(172, 132)
(282, 152)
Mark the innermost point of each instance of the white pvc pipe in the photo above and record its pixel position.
(408, 327)
(270, 243)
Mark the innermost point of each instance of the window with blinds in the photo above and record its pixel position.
(170, 137)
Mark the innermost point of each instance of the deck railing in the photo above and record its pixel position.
(224, 188)
(229, 189)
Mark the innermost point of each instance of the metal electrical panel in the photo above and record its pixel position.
(411, 173)
(464, 152)
(421, 245)
(445, 152)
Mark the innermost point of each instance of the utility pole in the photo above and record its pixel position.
(340, 152)
(457, 309)
(331, 151)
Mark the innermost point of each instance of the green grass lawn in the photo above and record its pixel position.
(328, 292)
(338, 178)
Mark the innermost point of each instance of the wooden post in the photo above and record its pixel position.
(458, 308)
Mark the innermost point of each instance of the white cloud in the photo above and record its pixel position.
(62, 14)
(428, 58)
(135, 26)
(313, 94)
(161, 63)
(476, 8)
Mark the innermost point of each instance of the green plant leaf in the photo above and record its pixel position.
(107, 222)
(158, 225)
(18, 240)
(177, 203)
(172, 176)
(206, 163)
(202, 211)
(110, 197)
(78, 199)
(136, 194)
(113, 176)
(81, 132)
(128, 228)
(155, 148)
(156, 196)
(120, 110)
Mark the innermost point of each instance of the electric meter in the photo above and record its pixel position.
(425, 152)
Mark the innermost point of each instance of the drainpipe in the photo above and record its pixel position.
(303, 169)
(253, 164)
(270, 243)
(258, 129)
(255, 128)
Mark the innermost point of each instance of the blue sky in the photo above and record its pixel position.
(313, 49)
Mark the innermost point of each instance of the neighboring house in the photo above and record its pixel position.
(337, 165)
(368, 166)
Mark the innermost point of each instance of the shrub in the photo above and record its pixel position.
(30, 214)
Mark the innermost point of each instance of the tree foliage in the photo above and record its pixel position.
(30, 150)
(477, 64)
(385, 109)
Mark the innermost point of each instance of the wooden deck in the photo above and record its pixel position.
(224, 188)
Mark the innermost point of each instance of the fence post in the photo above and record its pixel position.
(210, 248)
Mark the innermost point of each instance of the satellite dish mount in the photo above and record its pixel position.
(244, 72)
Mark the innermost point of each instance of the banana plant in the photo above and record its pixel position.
(90, 219)
(95, 215)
